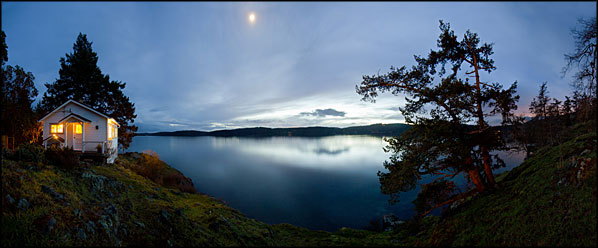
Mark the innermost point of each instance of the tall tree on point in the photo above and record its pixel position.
(453, 137)
(82, 80)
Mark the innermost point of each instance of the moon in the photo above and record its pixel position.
(252, 17)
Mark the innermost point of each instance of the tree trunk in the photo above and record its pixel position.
(488, 168)
(480, 113)
(476, 179)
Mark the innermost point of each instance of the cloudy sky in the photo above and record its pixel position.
(206, 66)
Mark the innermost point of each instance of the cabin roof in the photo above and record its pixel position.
(83, 106)
(76, 116)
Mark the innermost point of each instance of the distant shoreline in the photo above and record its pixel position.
(374, 130)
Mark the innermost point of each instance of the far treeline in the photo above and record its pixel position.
(374, 130)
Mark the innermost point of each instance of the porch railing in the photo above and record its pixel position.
(103, 143)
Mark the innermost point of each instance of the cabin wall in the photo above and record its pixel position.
(91, 133)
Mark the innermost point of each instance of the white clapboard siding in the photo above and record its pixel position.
(96, 131)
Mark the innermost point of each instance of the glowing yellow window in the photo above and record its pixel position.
(78, 129)
(56, 128)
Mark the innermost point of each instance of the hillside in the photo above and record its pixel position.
(374, 129)
(113, 205)
(550, 199)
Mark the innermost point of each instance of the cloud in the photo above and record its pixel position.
(324, 113)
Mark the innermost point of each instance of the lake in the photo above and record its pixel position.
(321, 183)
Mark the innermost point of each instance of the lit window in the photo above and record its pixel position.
(78, 129)
(56, 128)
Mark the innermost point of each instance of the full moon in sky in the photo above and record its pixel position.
(252, 17)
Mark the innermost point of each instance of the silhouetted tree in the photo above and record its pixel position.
(82, 80)
(453, 137)
(19, 121)
(539, 105)
(585, 60)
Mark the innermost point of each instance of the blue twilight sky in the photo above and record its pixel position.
(205, 66)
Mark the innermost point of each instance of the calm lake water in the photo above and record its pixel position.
(322, 183)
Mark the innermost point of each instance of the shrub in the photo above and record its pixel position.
(62, 157)
(374, 225)
(29, 152)
(148, 164)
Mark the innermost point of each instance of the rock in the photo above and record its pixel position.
(9, 199)
(105, 222)
(586, 151)
(123, 230)
(81, 234)
(50, 225)
(135, 155)
(52, 193)
(90, 226)
(111, 209)
(23, 204)
(97, 182)
(139, 224)
(164, 217)
(390, 221)
(77, 212)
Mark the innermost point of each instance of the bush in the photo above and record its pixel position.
(62, 157)
(374, 225)
(148, 164)
(29, 152)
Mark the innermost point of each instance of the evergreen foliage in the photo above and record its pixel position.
(82, 80)
(18, 92)
(449, 134)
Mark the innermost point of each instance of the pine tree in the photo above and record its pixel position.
(82, 80)
(449, 133)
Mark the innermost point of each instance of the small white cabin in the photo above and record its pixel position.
(82, 128)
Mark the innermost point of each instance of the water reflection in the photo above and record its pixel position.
(319, 183)
(330, 152)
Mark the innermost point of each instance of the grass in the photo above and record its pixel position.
(531, 208)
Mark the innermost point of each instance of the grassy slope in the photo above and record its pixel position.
(204, 221)
(531, 207)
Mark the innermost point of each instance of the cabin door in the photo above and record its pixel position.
(73, 140)
(77, 137)
(68, 139)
